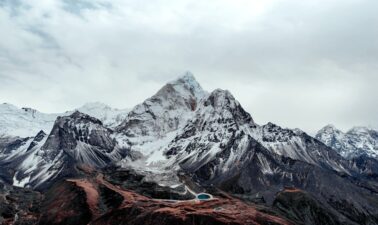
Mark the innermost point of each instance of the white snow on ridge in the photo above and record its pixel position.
(24, 122)
(110, 117)
(27, 122)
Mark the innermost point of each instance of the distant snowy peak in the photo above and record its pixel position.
(110, 117)
(331, 136)
(90, 106)
(354, 143)
(23, 122)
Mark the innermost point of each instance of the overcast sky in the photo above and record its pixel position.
(297, 63)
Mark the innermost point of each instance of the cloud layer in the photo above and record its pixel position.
(293, 62)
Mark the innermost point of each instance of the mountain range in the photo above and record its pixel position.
(178, 143)
(358, 141)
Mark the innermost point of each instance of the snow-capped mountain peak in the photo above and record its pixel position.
(170, 108)
(187, 86)
(330, 136)
(330, 127)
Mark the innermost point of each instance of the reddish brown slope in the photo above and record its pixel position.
(96, 200)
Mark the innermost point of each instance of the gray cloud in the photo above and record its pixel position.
(47, 41)
(296, 63)
(77, 6)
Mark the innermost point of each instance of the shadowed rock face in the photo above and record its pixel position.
(18, 205)
(302, 208)
(65, 203)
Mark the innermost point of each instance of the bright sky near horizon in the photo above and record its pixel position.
(296, 63)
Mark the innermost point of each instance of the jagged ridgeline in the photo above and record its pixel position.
(178, 143)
